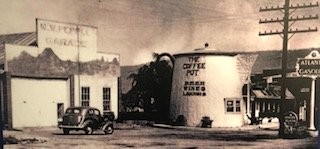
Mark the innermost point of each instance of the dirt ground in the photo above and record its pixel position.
(134, 136)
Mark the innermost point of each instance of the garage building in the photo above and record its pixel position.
(59, 65)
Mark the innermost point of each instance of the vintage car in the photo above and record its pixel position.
(87, 119)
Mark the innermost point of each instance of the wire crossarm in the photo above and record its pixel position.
(281, 8)
(290, 31)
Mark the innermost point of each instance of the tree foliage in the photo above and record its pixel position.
(151, 88)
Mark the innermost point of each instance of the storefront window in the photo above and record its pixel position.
(233, 105)
(238, 106)
(230, 106)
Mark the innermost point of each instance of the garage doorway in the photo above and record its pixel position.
(60, 111)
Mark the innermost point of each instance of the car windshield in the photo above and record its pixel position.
(73, 111)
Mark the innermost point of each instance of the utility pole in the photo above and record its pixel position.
(78, 59)
(287, 21)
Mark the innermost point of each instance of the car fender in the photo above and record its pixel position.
(107, 124)
(86, 123)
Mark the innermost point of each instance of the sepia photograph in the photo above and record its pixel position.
(159, 74)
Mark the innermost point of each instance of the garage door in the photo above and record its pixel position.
(35, 101)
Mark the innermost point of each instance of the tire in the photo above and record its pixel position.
(108, 130)
(88, 130)
(66, 131)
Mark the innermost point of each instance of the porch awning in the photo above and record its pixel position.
(271, 94)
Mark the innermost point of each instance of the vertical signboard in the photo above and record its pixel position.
(68, 41)
(194, 71)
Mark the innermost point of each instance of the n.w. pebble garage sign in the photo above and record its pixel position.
(67, 40)
(310, 65)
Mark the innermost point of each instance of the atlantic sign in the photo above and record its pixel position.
(310, 65)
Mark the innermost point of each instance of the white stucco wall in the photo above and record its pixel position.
(96, 84)
(221, 80)
(34, 101)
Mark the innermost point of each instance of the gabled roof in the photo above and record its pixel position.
(23, 39)
(271, 60)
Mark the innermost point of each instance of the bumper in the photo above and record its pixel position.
(70, 127)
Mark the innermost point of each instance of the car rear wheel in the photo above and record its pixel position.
(108, 130)
(88, 130)
(66, 131)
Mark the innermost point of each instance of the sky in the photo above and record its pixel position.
(137, 28)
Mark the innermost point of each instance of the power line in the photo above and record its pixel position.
(251, 16)
(199, 14)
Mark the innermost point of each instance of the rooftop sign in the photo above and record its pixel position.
(68, 41)
(310, 65)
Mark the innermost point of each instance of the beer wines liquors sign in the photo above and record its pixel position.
(194, 72)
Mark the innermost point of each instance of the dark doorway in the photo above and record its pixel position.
(60, 110)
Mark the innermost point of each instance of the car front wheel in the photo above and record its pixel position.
(88, 130)
(108, 130)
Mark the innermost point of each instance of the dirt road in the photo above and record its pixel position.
(150, 137)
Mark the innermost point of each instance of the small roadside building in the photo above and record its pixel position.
(214, 84)
(59, 65)
(208, 84)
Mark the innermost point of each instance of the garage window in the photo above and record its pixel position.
(233, 105)
(106, 99)
(85, 96)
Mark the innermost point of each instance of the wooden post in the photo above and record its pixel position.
(312, 102)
